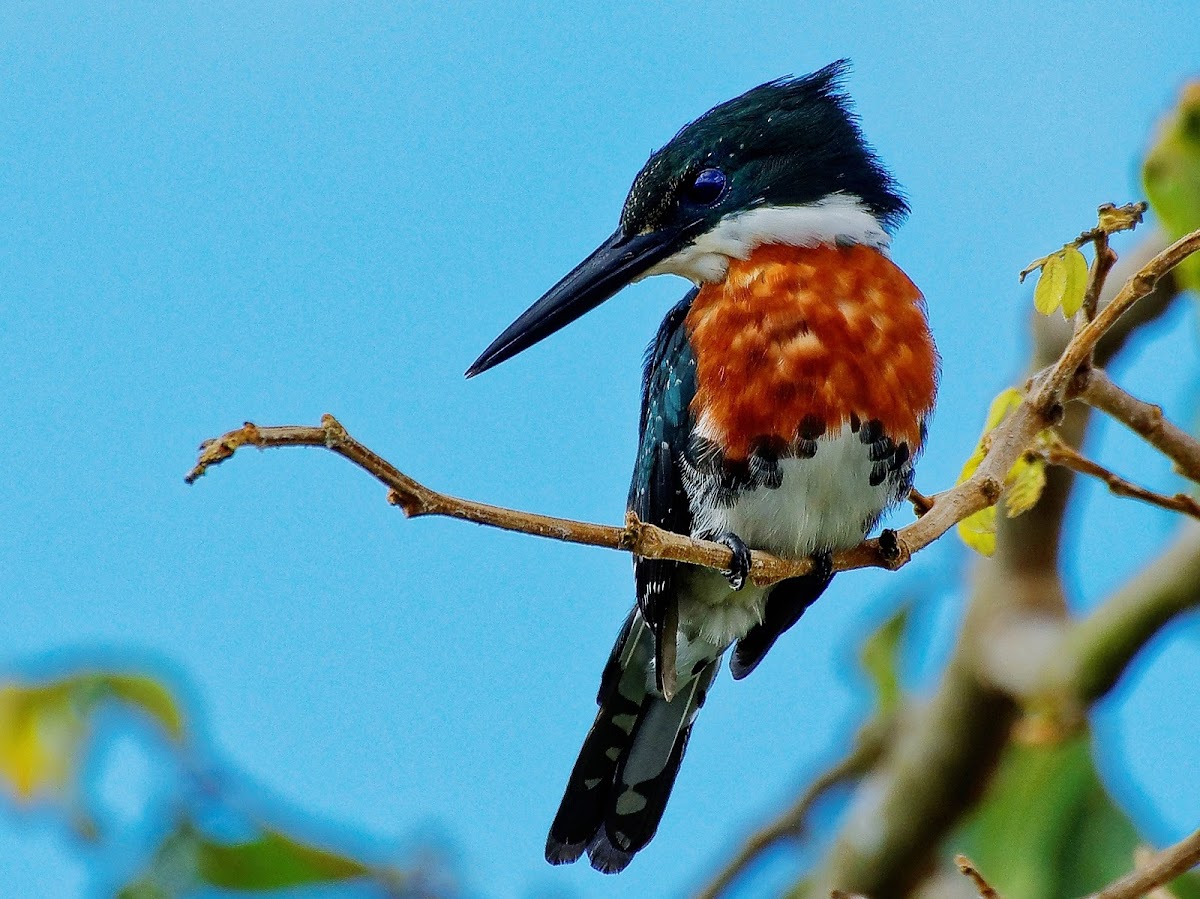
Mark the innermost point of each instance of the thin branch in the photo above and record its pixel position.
(415, 499)
(866, 752)
(1101, 266)
(968, 870)
(1062, 454)
(1053, 388)
(1043, 406)
(920, 502)
(1110, 220)
(1161, 868)
(1146, 420)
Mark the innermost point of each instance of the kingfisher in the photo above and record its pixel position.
(784, 403)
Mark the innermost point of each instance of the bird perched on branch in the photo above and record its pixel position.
(784, 403)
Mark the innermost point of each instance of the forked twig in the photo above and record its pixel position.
(1043, 405)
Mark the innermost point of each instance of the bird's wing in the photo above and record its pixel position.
(657, 495)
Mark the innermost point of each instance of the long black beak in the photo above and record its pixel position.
(614, 264)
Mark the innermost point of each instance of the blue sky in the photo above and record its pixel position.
(218, 212)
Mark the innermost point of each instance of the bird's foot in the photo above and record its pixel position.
(889, 545)
(740, 570)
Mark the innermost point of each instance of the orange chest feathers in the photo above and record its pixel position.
(795, 335)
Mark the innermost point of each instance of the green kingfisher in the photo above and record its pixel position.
(784, 403)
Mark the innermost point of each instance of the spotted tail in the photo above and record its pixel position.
(619, 787)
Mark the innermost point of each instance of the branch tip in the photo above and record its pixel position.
(982, 887)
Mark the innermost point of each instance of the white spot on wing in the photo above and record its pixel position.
(629, 803)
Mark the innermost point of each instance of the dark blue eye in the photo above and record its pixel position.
(706, 188)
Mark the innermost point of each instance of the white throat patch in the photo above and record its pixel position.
(836, 220)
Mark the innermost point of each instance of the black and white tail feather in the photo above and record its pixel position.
(623, 777)
(619, 787)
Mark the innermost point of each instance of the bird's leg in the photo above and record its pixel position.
(740, 570)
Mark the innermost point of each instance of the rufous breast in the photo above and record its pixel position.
(797, 335)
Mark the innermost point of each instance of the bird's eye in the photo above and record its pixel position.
(706, 188)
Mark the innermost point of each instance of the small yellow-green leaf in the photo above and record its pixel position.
(150, 696)
(1025, 481)
(1076, 281)
(1005, 402)
(978, 531)
(1051, 285)
(40, 736)
(971, 465)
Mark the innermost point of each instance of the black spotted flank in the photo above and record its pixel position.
(810, 429)
(889, 459)
(871, 431)
(719, 482)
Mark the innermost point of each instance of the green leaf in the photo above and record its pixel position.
(187, 860)
(880, 657)
(1186, 886)
(150, 696)
(978, 531)
(1077, 278)
(1046, 826)
(272, 861)
(1051, 285)
(172, 870)
(1024, 485)
(1171, 175)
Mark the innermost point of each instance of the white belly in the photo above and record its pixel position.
(824, 504)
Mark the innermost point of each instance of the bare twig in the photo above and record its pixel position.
(868, 748)
(415, 499)
(1110, 220)
(1158, 870)
(1061, 454)
(920, 502)
(1043, 406)
(982, 887)
(1101, 266)
(1144, 419)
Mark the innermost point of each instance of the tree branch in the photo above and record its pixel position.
(942, 758)
(932, 773)
(1043, 406)
(1146, 420)
(415, 499)
(968, 870)
(1160, 869)
(1062, 454)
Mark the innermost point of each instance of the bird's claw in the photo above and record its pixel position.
(740, 569)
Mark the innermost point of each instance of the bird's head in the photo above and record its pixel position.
(784, 163)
